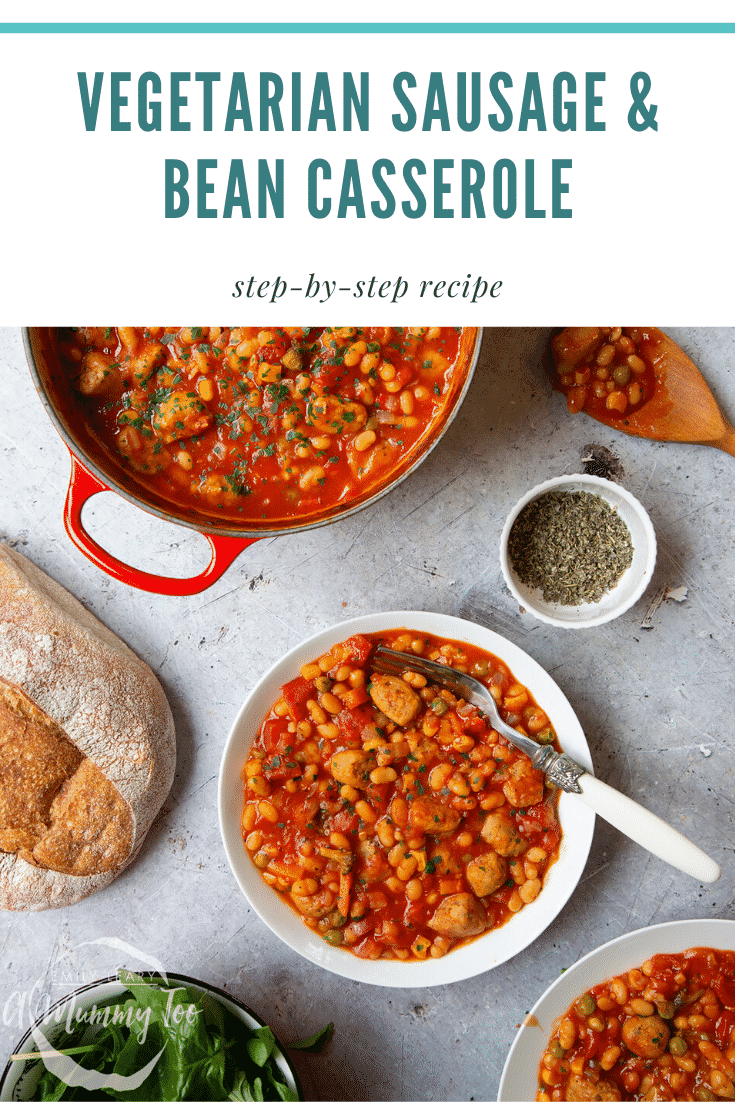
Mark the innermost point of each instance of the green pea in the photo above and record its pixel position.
(336, 919)
(665, 1008)
(261, 860)
(621, 375)
(334, 937)
(586, 1005)
(323, 684)
(439, 706)
(556, 1050)
(546, 736)
(677, 1046)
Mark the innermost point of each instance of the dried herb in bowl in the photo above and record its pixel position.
(571, 545)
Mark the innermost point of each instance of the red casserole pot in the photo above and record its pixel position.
(94, 469)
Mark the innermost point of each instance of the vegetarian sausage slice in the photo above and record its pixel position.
(352, 767)
(459, 916)
(487, 873)
(431, 817)
(500, 831)
(525, 785)
(394, 698)
(580, 1089)
(180, 415)
(647, 1037)
(332, 414)
(572, 346)
(99, 376)
(446, 859)
(315, 906)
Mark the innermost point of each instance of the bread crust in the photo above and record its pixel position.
(103, 698)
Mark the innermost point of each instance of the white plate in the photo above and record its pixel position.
(492, 949)
(519, 1080)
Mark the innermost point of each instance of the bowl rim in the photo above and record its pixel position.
(469, 960)
(686, 933)
(282, 1057)
(559, 483)
(211, 526)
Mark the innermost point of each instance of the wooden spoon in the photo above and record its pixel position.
(681, 408)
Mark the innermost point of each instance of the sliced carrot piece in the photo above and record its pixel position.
(345, 887)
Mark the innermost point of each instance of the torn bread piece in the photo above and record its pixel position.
(87, 745)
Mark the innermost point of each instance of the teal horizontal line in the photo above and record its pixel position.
(367, 28)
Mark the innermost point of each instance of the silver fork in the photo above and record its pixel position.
(637, 822)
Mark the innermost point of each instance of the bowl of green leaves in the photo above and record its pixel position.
(151, 1036)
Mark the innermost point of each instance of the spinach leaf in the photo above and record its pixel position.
(261, 1046)
(283, 1091)
(240, 1089)
(172, 1015)
(316, 1042)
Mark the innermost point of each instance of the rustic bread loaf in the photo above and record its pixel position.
(87, 745)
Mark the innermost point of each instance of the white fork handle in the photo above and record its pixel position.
(647, 829)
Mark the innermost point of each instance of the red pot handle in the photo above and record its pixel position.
(82, 486)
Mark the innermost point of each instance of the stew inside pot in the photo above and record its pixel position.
(262, 424)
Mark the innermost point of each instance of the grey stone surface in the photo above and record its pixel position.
(656, 706)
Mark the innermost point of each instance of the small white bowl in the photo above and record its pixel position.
(21, 1076)
(520, 1074)
(486, 952)
(631, 585)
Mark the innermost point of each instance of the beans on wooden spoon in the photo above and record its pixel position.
(638, 380)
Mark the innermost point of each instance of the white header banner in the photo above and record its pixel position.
(472, 178)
